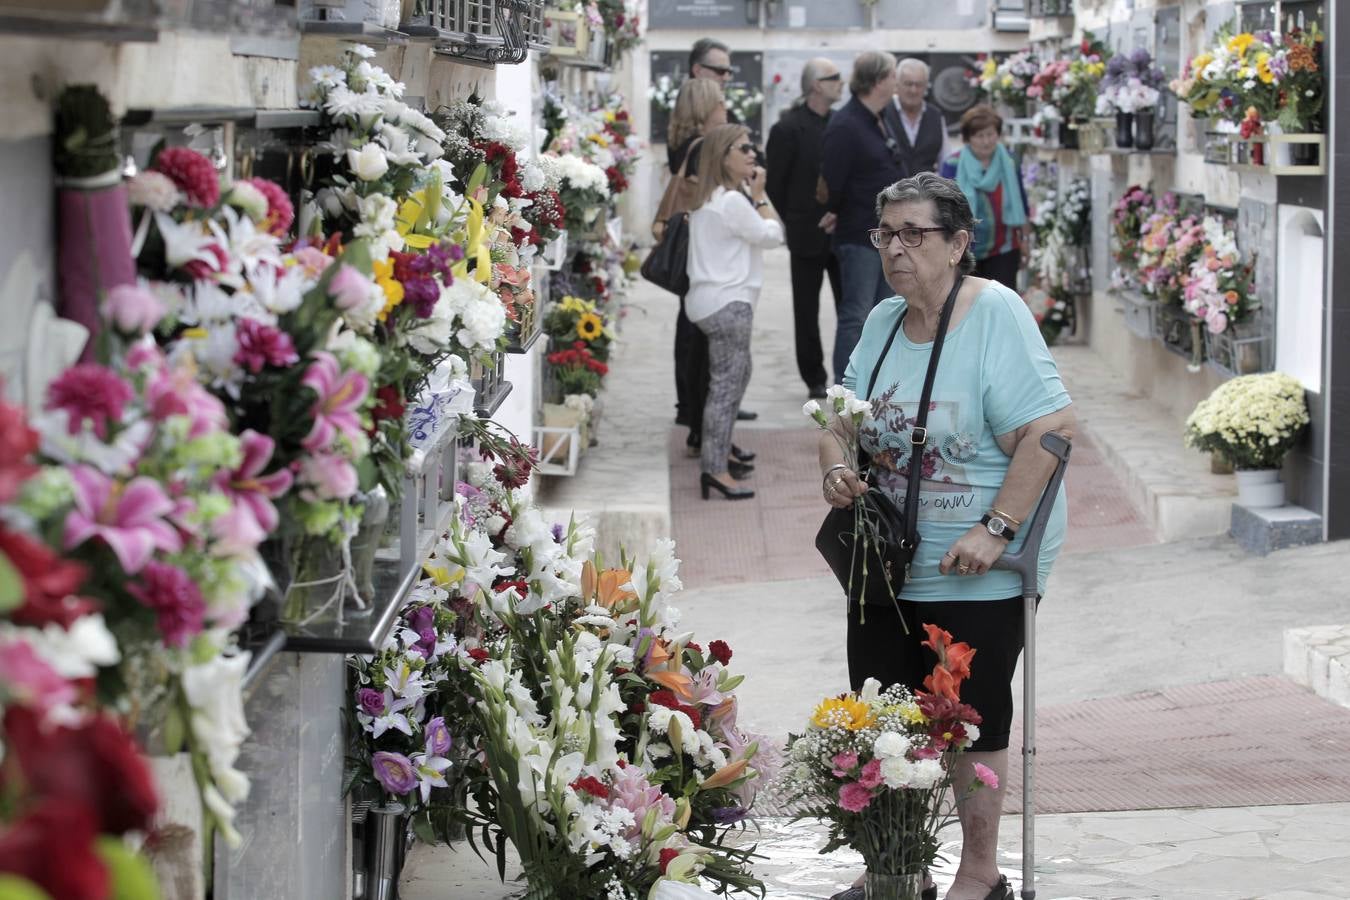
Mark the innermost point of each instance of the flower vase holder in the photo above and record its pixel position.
(366, 544)
(596, 220)
(1019, 131)
(1139, 312)
(488, 378)
(1145, 121)
(554, 253)
(1125, 130)
(430, 473)
(522, 334)
(1240, 349)
(1179, 332)
(1219, 148)
(560, 439)
(386, 824)
(1296, 154)
(1094, 135)
(1068, 134)
(1260, 488)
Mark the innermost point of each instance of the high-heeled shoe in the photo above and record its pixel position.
(706, 481)
(742, 455)
(739, 470)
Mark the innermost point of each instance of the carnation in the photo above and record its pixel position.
(191, 173)
(153, 190)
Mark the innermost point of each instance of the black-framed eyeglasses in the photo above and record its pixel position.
(835, 77)
(722, 71)
(909, 237)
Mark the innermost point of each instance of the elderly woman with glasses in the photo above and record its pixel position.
(731, 224)
(996, 392)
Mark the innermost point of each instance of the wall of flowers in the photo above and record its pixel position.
(235, 459)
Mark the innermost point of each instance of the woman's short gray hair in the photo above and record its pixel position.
(868, 69)
(952, 209)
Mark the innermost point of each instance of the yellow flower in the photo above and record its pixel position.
(990, 68)
(590, 326)
(846, 711)
(393, 288)
(576, 305)
(1263, 68)
(1007, 81)
(1200, 63)
(1239, 43)
(599, 139)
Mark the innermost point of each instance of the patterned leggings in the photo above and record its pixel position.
(728, 332)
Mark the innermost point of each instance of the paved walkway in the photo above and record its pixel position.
(1175, 761)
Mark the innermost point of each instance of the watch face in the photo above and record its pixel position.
(997, 526)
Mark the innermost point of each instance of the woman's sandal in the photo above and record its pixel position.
(1002, 890)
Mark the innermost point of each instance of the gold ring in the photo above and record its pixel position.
(964, 570)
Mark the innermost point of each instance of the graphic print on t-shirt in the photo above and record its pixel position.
(945, 492)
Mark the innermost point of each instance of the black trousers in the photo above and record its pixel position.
(691, 372)
(808, 274)
(1001, 268)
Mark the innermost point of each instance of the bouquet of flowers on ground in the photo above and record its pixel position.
(877, 765)
(1005, 81)
(1218, 288)
(1130, 84)
(576, 371)
(1252, 420)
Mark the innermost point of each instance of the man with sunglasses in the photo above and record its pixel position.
(860, 156)
(794, 165)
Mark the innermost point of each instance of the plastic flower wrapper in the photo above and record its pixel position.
(876, 765)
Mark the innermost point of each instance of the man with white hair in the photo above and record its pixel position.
(794, 164)
(923, 137)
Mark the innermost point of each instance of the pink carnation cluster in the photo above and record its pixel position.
(191, 173)
(280, 210)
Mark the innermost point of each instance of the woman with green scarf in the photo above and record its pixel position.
(989, 177)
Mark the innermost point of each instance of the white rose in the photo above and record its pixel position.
(369, 163)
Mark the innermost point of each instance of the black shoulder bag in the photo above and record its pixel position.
(872, 567)
(666, 266)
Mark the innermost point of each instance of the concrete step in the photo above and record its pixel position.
(1318, 657)
(1169, 482)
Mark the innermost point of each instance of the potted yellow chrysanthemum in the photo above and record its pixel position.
(1253, 421)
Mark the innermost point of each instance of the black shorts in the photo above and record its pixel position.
(880, 649)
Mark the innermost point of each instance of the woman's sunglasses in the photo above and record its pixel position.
(747, 147)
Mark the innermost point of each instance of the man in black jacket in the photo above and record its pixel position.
(860, 156)
(794, 166)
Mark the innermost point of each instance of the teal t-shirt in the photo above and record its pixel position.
(995, 375)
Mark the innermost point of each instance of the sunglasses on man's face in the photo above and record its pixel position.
(835, 77)
(720, 71)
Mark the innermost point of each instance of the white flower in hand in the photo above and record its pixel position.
(369, 163)
(812, 409)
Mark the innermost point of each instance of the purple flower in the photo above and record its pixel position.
(423, 621)
(422, 293)
(729, 815)
(557, 532)
(128, 517)
(371, 701)
(438, 737)
(394, 772)
(176, 600)
(262, 345)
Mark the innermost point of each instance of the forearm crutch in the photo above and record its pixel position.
(1025, 562)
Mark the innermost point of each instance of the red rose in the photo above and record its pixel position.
(720, 652)
(664, 698)
(94, 766)
(667, 855)
(52, 845)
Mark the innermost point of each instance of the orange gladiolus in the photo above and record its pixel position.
(953, 664)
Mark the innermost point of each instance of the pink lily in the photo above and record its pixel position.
(128, 517)
(340, 396)
(248, 487)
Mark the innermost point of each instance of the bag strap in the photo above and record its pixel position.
(674, 193)
(918, 436)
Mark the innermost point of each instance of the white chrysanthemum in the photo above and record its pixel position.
(153, 190)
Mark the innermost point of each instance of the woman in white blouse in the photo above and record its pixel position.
(729, 227)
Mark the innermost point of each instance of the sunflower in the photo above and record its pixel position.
(590, 326)
(845, 710)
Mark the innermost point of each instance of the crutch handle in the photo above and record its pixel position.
(1026, 559)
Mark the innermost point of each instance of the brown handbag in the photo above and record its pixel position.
(678, 196)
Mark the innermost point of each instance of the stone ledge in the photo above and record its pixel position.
(1260, 531)
(1318, 657)
(1170, 483)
